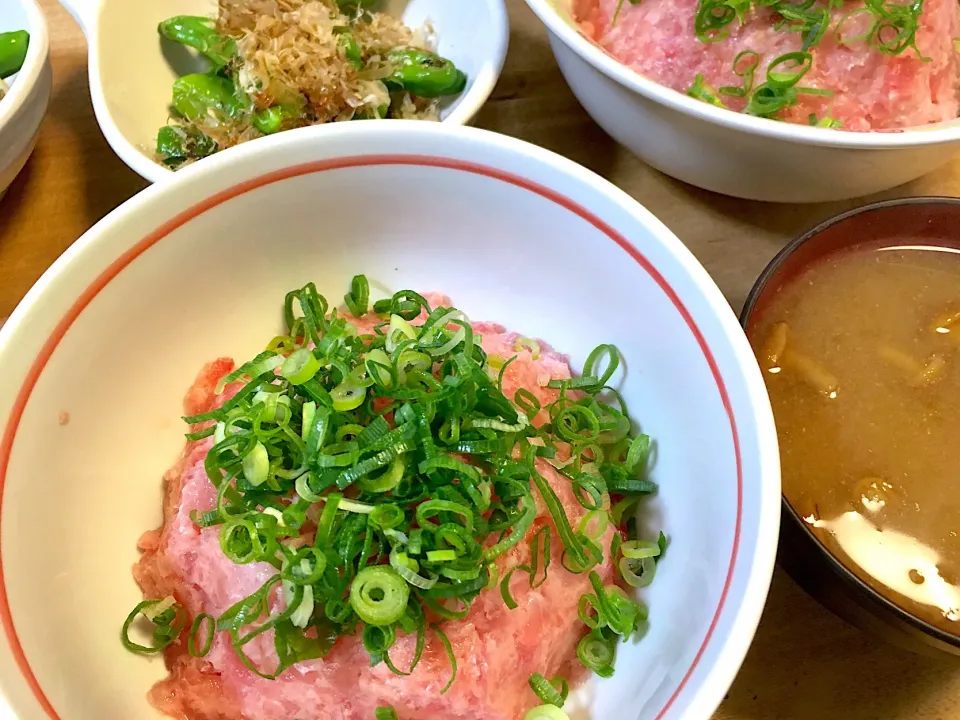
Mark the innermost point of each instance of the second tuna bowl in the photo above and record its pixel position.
(132, 72)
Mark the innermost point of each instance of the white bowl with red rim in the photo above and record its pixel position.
(729, 152)
(97, 356)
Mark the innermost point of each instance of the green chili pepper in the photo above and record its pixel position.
(272, 119)
(424, 74)
(351, 48)
(13, 51)
(194, 96)
(199, 33)
(178, 144)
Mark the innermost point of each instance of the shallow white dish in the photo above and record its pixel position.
(196, 268)
(729, 152)
(23, 107)
(131, 79)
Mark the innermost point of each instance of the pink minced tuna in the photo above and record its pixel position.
(497, 649)
(871, 90)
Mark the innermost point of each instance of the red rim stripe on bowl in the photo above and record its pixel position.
(118, 265)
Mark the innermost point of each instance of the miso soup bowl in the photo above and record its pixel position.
(929, 221)
(728, 152)
(97, 357)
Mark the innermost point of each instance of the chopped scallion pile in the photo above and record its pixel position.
(384, 475)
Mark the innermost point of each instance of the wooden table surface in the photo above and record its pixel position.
(805, 664)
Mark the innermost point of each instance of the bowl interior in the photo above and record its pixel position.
(135, 71)
(197, 269)
(915, 221)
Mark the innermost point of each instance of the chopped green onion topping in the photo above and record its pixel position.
(384, 475)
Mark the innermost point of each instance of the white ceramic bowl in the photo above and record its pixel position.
(23, 107)
(131, 79)
(729, 152)
(196, 268)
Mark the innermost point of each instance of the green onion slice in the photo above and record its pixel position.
(548, 693)
(168, 621)
(211, 626)
(383, 474)
(300, 366)
(546, 712)
(787, 70)
(450, 656)
(700, 90)
(379, 595)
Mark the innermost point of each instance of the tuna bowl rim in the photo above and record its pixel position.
(64, 306)
(559, 21)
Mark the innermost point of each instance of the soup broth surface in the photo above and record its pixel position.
(861, 357)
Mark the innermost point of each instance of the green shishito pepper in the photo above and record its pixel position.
(195, 96)
(177, 144)
(423, 73)
(13, 51)
(199, 33)
(351, 48)
(273, 118)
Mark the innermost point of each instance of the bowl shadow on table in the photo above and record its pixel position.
(807, 663)
(12, 202)
(736, 238)
(792, 219)
(71, 180)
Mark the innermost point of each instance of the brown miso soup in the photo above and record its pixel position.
(861, 356)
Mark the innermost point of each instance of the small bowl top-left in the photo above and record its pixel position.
(131, 78)
(25, 103)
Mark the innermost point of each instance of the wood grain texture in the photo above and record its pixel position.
(805, 664)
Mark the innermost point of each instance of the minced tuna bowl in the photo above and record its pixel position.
(494, 644)
(880, 65)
